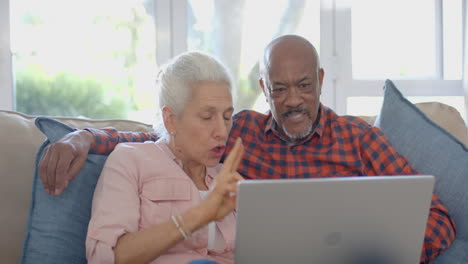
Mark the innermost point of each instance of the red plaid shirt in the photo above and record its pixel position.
(339, 146)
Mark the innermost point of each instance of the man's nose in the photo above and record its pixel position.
(294, 97)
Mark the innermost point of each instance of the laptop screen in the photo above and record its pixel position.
(333, 220)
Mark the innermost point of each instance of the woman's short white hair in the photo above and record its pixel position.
(176, 80)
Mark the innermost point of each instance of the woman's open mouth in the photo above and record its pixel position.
(218, 151)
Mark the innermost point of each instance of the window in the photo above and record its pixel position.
(388, 42)
(452, 39)
(86, 58)
(417, 44)
(234, 32)
(104, 54)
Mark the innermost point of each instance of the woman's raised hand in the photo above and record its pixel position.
(222, 199)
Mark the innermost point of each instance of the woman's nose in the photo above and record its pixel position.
(221, 128)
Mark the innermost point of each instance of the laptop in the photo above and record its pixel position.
(346, 220)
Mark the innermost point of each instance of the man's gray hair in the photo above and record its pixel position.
(177, 78)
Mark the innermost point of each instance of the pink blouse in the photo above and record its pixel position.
(141, 185)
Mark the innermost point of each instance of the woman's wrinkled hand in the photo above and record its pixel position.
(223, 197)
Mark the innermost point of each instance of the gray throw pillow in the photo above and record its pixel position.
(57, 226)
(431, 150)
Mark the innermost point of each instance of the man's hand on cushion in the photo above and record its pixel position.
(63, 159)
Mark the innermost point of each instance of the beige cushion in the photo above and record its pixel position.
(444, 115)
(447, 117)
(369, 119)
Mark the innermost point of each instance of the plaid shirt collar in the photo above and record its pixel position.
(271, 126)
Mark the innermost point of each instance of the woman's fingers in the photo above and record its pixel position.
(233, 159)
(232, 183)
(224, 189)
(230, 190)
(234, 178)
(238, 177)
(230, 178)
(227, 165)
(238, 156)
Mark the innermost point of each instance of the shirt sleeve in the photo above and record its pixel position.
(107, 138)
(381, 158)
(116, 206)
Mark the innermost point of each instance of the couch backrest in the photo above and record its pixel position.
(447, 117)
(20, 140)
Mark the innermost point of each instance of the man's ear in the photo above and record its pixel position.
(262, 84)
(321, 75)
(169, 119)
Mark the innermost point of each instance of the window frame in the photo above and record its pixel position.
(6, 73)
(347, 86)
(335, 37)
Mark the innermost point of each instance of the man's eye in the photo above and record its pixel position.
(304, 85)
(279, 90)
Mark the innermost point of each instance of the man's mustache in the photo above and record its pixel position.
(295, 111)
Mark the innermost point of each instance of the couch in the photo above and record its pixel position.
(20, 140)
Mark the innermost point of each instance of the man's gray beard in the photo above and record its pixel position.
(298, 136)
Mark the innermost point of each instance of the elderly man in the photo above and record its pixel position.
(299, 138)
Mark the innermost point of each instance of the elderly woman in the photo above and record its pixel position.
(171, 201)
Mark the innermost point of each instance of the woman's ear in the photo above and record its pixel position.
(169, 119)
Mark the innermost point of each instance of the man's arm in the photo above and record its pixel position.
(440, 231)
(107, 138)
(382, 159)
(63, 159)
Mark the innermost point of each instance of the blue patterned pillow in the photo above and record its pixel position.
(431, 150)
(57, 226)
